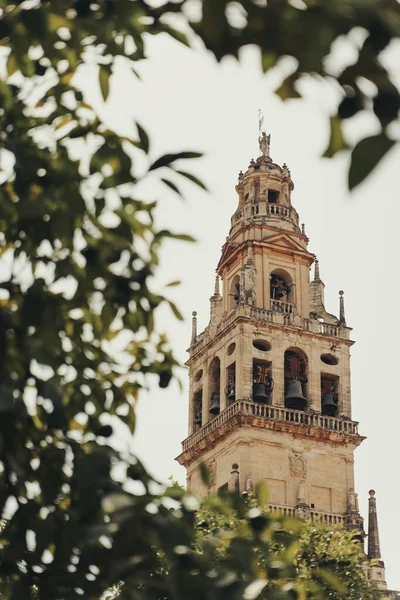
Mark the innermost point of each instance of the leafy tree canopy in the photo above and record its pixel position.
(288, 558)
(79, 250)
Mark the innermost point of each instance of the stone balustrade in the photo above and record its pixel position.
(280, 313)
(274, 413)
(317, 516)
(263, 209)
(280, 306)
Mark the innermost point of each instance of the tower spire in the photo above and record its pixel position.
(316, 271)
(374, 550)
(216, 288)
(342, 317)
(194, 328)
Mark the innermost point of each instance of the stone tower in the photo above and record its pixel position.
(269, 377)
(270, 395)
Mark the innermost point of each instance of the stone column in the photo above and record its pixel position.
(278, 375)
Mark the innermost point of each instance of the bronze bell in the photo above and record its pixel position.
(215, 406)
(197, 417)
(294, 395)
(260, 393)
(328, 405)
(278, 293)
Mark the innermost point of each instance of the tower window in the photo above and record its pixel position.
(280, 287)
(263, 383)
(214, 379)
(273, 197)
(329, 359)
(329, 395)
(230, 390)
(261, 345)
(295, 380)
(234, 294)
(197, 409)
(231, 349)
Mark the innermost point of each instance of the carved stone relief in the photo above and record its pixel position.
(297, 464)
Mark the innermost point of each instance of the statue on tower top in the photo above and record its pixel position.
(264, 142)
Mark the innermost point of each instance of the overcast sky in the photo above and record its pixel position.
(187, 101)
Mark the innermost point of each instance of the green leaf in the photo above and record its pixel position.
(175, 310)
(144, 138)
(287, 90)
(183, 237)
(366, 155)
(176, 34)
(171, 185)
(337, 140)
(205, 474)
(268, 60)
(173, 283)
(167, 159)
(192, 178)
(12, 64)
(104, 80)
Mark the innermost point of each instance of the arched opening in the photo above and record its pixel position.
(214, 379)
(273, 197)
(296, 380)
(230, 390)
(281, 286)
(329, 394)
(197, 409)
(263, 384)
(234, 293)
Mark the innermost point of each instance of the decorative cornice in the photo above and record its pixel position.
(241, 413)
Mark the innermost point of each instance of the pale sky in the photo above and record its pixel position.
(187, 101)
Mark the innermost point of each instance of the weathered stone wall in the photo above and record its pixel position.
(282, 461)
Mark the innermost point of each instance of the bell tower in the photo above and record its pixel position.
(270, 394)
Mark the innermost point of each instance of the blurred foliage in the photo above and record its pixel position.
(254, 553)
(307, 30)
(306, 560)
(78, 314)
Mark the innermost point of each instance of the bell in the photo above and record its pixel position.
(328, 405)
(198, 418)
(278, 293)
(294, 395)
(214, 408)
(260, 393)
